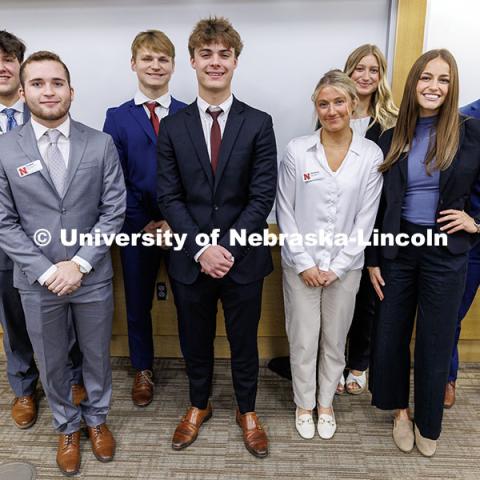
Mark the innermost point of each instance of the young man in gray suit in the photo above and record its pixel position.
(22, 371)
(57, 174)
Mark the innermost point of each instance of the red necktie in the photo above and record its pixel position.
(153, 116)
(215, 139)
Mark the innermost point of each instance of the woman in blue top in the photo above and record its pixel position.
(432, 159)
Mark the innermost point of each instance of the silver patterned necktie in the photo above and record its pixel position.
(55, 161)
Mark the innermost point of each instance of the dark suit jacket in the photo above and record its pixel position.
(5, 262)
(456, 184)
(136, 143)
(239, 196)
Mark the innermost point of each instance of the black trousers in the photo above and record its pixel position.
(428, 281)
(197, 310)
(359, 336)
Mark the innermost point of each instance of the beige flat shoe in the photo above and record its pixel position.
(403, 434)
(426, 446)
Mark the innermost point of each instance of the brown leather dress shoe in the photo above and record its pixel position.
(68, 453)
(187, 430)
(254, 436)
(79, 394)
(24, 411)
(142, 390)
(103, 443)
(449, 400)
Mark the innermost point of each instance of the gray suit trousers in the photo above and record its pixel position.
(21, 369)
(47, 324)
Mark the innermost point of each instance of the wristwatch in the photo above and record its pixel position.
(476, 222)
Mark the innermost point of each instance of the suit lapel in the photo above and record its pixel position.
(78, 143)
(446, 174)
(234, 123)
(139, 114)
(28, 143)
(403, 167)
(194, 128)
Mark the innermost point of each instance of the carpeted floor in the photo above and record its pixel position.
(361, 449)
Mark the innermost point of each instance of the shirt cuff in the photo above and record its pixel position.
(85, 267)
(46, 275)
(197, 255)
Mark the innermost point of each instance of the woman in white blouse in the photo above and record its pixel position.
(329, 188)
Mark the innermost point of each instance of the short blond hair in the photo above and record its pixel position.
(154, 40)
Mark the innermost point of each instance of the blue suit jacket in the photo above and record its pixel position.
(239, 196)
(472, 109)
(136, 142)
(5, 262)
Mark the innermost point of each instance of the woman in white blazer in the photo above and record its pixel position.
(328, 195)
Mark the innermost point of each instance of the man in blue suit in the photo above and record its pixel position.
(217, 172)
(134, 128)
(473, 277)
(22, 371)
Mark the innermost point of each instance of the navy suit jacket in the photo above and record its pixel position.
(135, 140)
(5, 262)
(456, 184)
(239, 196)
(472, 109)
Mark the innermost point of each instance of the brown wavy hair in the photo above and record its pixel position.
(444, 144)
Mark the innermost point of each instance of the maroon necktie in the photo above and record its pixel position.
(153, 116)
(215, 139)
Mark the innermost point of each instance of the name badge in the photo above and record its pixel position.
(29, 168)
(311, 176)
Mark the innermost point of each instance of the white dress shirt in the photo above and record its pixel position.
(207, 122)
(18, 106)
(207, 119)
(312, 198)
(64, 147)
(161, 109)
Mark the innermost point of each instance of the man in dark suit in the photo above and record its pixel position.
(22, 371)
(134, 128)
(217, 172)
(473, 277)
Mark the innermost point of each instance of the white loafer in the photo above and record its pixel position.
(305, 425)
(326, 426)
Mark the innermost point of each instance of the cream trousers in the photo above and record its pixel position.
(317, 323)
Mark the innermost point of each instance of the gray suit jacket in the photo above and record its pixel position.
(5, 262)
(94, 200)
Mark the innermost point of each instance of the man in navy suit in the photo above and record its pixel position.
(473, 277)
(217, 171)
(22, 371)
(134, 127)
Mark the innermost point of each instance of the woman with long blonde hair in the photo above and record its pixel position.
(374, 113)
(432, 159)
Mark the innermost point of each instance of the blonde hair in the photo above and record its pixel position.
(153, 40)
(382, 107)
(444, 144)
(339, 80)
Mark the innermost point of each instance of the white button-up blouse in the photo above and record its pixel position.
(313, 199)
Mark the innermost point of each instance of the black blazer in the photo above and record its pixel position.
(239, 196)
(456, 183)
